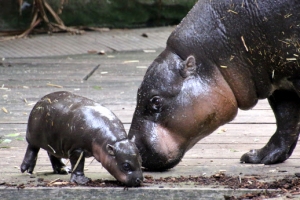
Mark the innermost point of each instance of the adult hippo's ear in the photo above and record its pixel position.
(110, 149)
(188, 67)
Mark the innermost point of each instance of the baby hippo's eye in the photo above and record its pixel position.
(126, 167)
(156, 103)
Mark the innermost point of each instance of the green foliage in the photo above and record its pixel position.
(103, 13)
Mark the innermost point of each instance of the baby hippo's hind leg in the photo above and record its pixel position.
(77, 158)
(30, 158)
(57, 165)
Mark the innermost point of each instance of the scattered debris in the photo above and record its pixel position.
(242, 37)
(149, 51)
(289, 185)
(80, 157)
(102, 52)
(141, 67)
(131, 61)
(145, 35)
(51, 148)
(231, 11)
(3, 88)
(53, 85)
(91, 73)
(291, 59)
(4, 110)
(92, 52)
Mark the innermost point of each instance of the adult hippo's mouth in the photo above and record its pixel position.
(158, 149)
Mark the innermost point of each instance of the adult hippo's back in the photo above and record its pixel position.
(224, 55)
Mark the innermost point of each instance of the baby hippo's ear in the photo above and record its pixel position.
(110, 149)
(189, 67)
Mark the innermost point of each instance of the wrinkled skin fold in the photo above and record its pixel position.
(223, 56)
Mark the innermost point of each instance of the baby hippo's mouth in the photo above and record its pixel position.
(134, 179)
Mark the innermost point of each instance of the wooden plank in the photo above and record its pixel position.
(125, 115)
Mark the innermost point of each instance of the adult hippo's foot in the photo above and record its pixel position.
(286, 107)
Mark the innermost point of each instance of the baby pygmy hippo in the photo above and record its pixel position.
(74, 127)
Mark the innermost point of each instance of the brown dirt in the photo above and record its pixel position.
(289, 185)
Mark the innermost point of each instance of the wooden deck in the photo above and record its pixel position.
(24, 80)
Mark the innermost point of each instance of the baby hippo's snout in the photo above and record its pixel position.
(124, 162)
(135, 179)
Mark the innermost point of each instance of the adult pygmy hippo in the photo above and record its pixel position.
(224, 55)
(74, 127)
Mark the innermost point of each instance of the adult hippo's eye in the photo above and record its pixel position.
(126, 167)
(156, 103)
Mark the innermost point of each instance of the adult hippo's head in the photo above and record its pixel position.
(180, 101)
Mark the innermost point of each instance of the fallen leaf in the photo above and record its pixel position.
(12, 135)
(4, 147)
(6, 141)
(97, 87)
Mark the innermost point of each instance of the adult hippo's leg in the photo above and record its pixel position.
(57, 165)
(77, 163)
(30, 158)
(286, 107)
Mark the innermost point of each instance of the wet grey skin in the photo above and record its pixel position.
(74, 127)
(223, 56)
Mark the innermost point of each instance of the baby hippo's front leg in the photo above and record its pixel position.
(77, 158)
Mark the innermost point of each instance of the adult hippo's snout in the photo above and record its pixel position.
(157, 154)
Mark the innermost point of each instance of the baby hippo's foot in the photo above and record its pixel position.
(57, 164)
(60, 171)
(79, 178)
(30, 158)
(27, 166)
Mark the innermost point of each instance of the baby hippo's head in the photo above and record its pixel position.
(123, 161)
